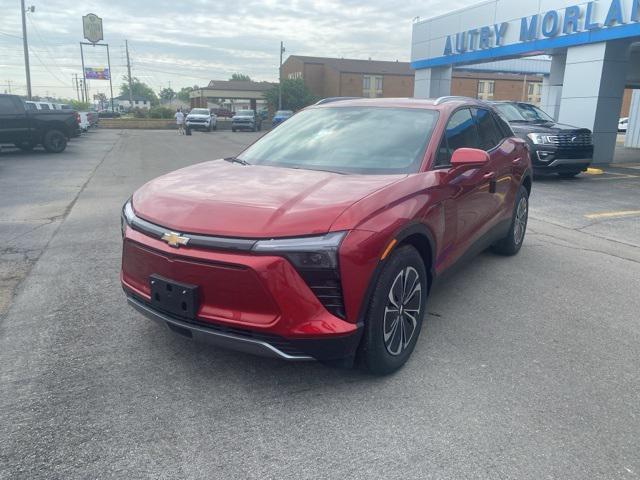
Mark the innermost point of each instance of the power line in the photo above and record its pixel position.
(35, 27)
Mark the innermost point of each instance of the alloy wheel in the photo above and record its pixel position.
(520, 225)
(402, 311)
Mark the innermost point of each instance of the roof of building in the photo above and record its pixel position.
(360, 66)
(239, 85)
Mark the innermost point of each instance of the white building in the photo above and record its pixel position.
(122, 103)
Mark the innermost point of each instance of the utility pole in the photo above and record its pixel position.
(280, 78)
(9, 85)
(25, 45)
(126, 43)
(75, 77)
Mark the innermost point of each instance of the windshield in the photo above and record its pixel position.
(244, 113)
(522, 112)
(199, 111)
(283, 113)
(348, 140)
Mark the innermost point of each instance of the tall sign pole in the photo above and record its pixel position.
(280, 77)
(85, 93)
(110, 80)
(25, 45)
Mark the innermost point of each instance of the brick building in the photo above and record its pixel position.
(341, 77)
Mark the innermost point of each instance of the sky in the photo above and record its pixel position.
(189, 42)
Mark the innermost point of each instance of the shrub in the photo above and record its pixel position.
(161, 112)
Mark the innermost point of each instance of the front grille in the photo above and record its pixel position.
(572, 139)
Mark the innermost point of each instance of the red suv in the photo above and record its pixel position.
(322, 239)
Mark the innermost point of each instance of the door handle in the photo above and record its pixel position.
(489, 176)
(517, 161)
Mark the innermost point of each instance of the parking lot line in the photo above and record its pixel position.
(620, 214)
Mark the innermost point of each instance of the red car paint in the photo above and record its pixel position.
(450, 209)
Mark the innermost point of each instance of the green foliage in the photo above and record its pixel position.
(79, 106)
(295, 95)
(167, 94)
(139, 89)
(161, 112)
(183, 94)
(240, 77)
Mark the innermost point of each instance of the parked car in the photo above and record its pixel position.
(25, 128)
(246, 120)
(323, 239)
(263, 113)
(555, 147)
(623, 124)
(222, 112)
(281, 116)
(201, 119)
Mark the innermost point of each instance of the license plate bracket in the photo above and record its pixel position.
(177, 298)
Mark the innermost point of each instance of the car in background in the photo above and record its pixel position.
(323, 239)
(263, 113)
(623, 125)
(246, 120)
(26, 128)
(201, 119)
(280, 116)
(555, 147)
(31, 105)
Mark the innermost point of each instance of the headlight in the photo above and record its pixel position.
(305, 252)
(316, 260)
(541, 139)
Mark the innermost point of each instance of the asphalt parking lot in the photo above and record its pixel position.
(527, 367)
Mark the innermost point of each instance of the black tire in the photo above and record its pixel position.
(569, 174)
(54, 141)
(511, 244)
(384, 348)
(25, 146)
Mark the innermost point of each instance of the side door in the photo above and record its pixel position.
(501, 153)
(472, 199)
(14, 123)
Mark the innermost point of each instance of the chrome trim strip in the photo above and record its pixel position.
(157, 231)
(570, 161)
(220, 339)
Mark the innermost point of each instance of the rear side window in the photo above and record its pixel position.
(503, 125)
(488, 131)
(8, 106)
(44, 106)
(461, 132)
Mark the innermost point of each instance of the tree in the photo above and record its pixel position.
(167, 94)
(139, 89)
(241, 77)
(80, 106)
(183, 94)
(295, 95)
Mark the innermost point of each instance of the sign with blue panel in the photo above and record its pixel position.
(590, 22)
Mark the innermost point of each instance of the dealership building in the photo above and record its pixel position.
(594, 48)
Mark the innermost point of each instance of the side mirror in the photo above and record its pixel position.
(469, 157)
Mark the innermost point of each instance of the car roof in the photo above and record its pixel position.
(427, 103)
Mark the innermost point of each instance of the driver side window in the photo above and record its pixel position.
(461, 132)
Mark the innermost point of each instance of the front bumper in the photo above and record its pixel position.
(197, 125)
(551, 159)
(246, 341)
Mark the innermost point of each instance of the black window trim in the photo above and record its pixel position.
(444, 136)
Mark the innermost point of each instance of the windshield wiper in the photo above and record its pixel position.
(236, 160)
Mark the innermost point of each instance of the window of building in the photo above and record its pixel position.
(486, 89)
(534, 93)
(372, 86)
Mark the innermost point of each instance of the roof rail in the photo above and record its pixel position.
(451, 98)
(335, 99)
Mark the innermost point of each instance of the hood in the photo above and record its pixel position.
(547, 127)
(198, 115)
(225, 199)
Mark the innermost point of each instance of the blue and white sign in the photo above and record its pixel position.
(507, 35)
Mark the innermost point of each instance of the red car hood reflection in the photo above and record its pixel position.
(220, 198)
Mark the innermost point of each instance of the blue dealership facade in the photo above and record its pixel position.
(594, 47)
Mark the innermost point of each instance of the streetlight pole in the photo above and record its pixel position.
(25, 45)
(280, 78)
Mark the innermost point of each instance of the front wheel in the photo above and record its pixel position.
(394, 317)
(511, 244)
(54, 141)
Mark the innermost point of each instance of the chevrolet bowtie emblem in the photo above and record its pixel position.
(174, 239)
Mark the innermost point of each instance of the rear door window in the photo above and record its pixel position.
(8, 106)
(461, 132)
(489, 134)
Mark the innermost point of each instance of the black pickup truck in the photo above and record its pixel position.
(27, 128)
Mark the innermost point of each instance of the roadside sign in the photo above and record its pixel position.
(92, 28)
(96, 73)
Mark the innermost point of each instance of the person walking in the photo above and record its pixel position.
(180, 121)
